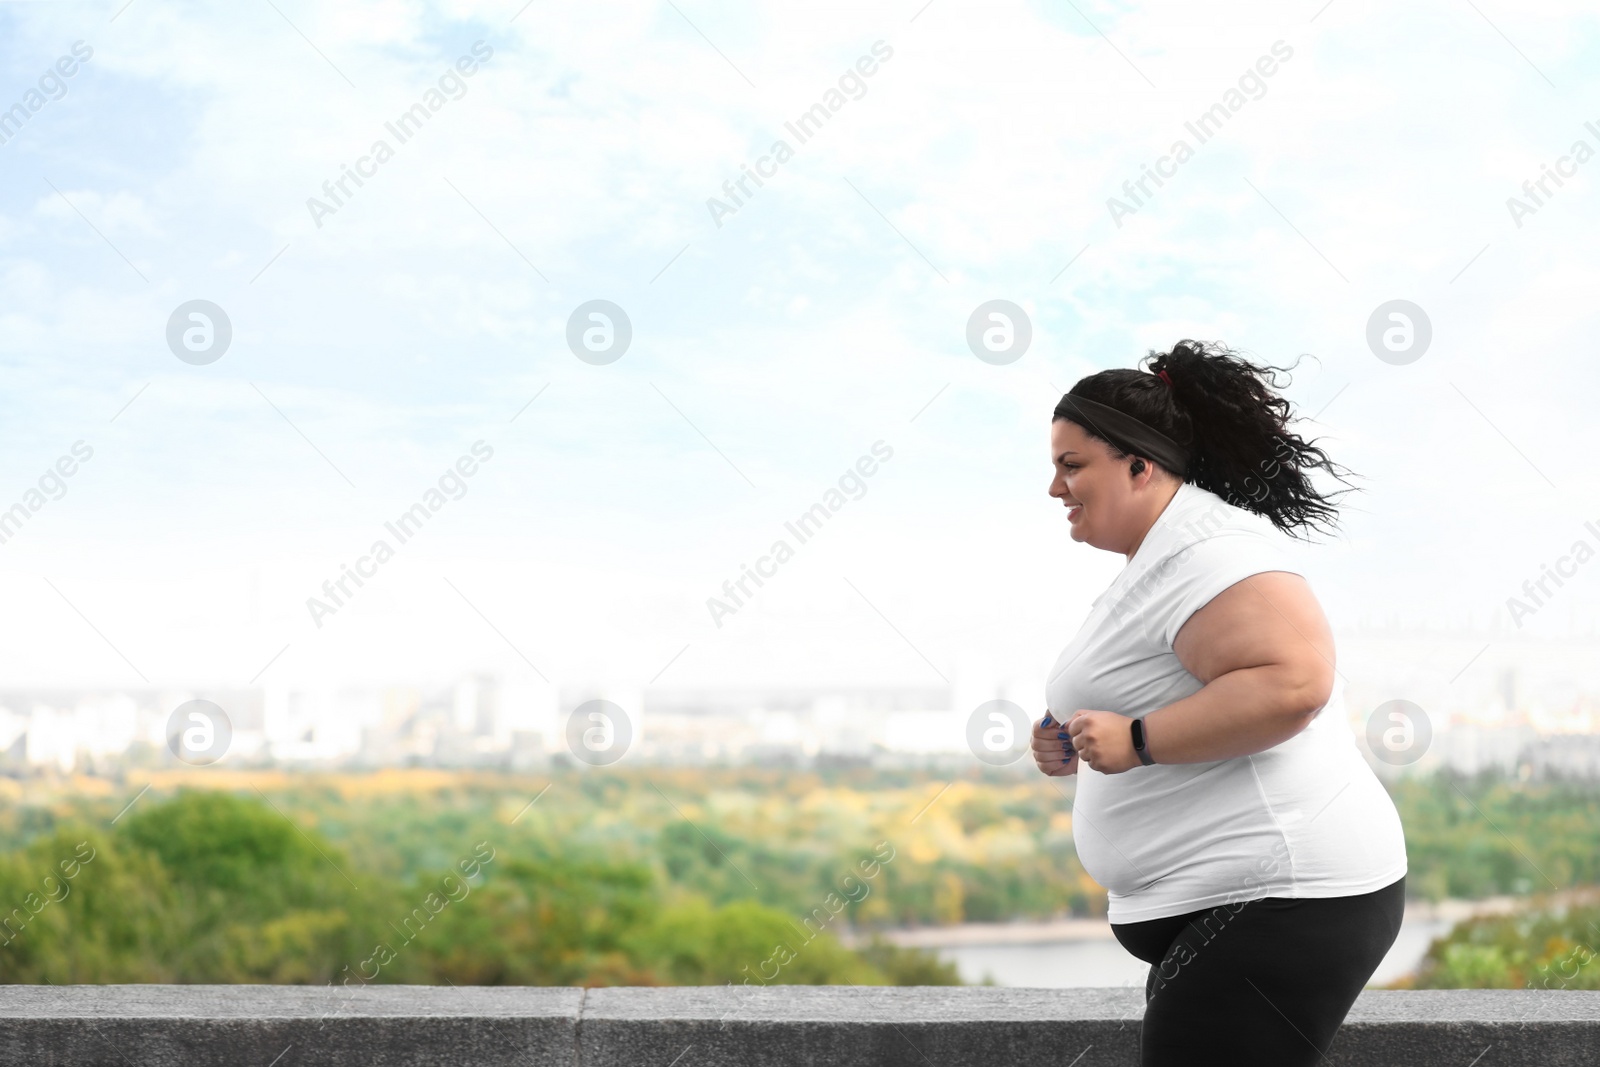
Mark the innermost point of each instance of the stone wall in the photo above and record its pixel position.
(742, 1026)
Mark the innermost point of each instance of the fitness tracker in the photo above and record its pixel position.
(1138, 742)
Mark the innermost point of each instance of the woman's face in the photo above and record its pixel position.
(1094, 487)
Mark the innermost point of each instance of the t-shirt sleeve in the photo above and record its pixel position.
(1207, 567)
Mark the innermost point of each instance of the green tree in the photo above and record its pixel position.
(79, 907)
(260, 899)
(696, 943)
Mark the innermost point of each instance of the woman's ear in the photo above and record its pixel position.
(1137, 467)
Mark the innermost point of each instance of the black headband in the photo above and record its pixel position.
(1125, 432)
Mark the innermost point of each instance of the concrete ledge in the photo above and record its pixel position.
(913, 1026)
(710, 1026)
(254, 1026)
(1555, 1028)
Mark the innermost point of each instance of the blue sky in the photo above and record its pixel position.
(768, 353)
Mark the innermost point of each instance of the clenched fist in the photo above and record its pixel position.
(1101, 739)
(1053, 750)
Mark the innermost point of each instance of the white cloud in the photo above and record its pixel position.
(802, 330)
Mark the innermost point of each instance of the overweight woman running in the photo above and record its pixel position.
(1249, 854)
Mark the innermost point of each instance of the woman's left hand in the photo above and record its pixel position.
(1104, 741)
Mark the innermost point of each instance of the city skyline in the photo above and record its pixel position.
(1484, 706)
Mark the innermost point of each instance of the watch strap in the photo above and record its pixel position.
(1137, 727)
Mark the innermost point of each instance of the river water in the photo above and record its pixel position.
(1102, 961)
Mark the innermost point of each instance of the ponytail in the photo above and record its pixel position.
(1224, 410)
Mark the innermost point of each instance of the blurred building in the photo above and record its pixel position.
(1531, 709)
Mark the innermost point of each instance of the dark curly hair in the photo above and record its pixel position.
(1224, 410)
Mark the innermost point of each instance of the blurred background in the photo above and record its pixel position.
(521, 493)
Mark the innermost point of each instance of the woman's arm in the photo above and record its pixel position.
(1265, 652)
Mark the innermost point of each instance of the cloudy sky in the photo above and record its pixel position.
(377, 337)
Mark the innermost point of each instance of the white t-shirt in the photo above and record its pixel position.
(1305, 818)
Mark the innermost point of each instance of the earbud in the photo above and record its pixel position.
(1137, 467)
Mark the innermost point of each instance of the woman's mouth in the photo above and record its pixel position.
(1074, 513)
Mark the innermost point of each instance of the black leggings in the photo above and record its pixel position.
(1266, 981)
